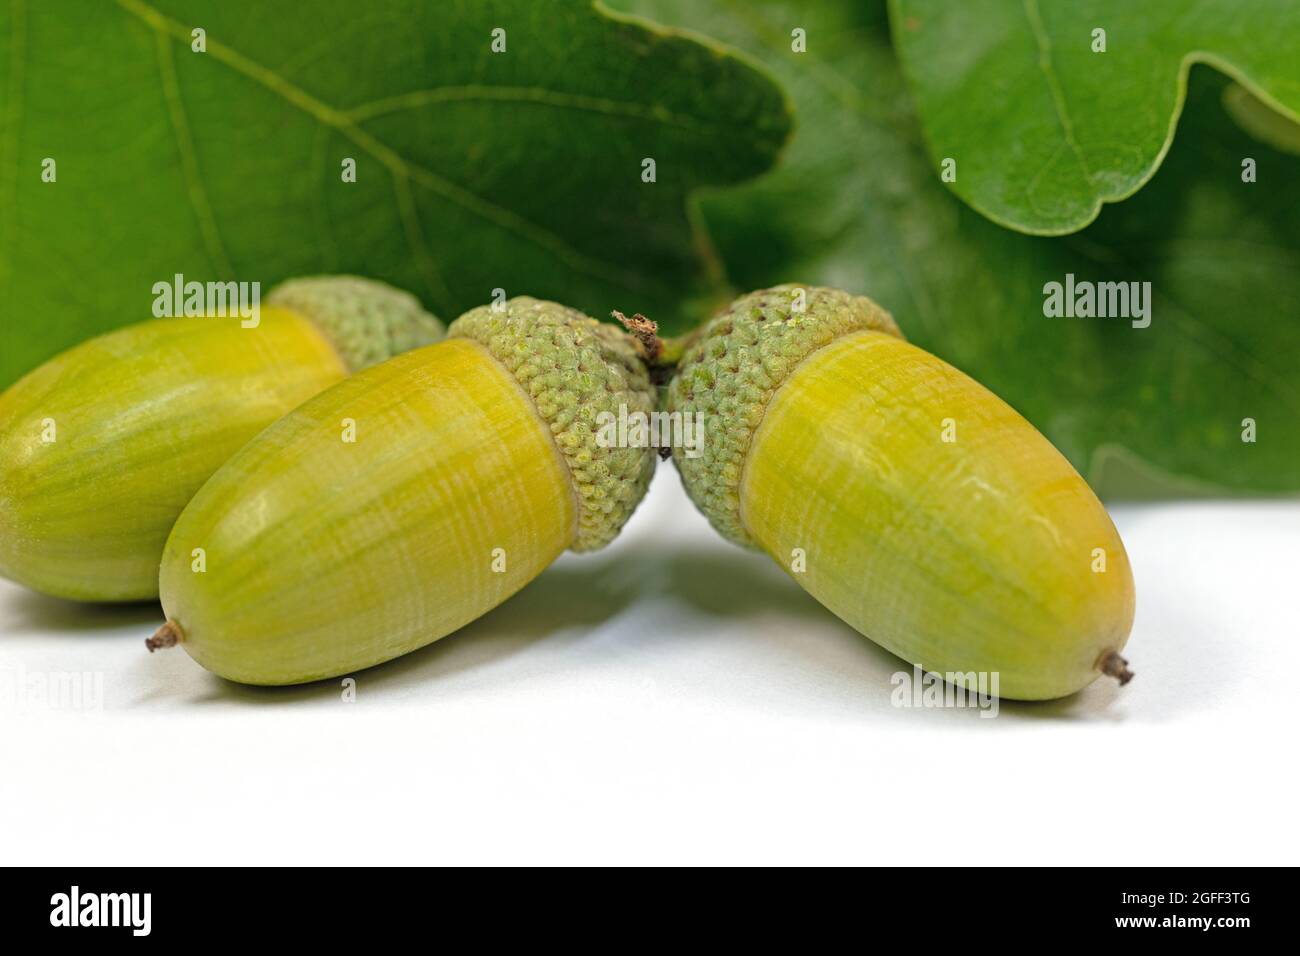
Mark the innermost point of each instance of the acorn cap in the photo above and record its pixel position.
(734, 366)
(367, 322)
(576, 371)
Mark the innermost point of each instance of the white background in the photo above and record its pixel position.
(674, 699)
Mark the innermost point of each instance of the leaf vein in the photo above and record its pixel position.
(316, 179)
(1054, 82)
(415, 240)
(322, 112)
(189, 159)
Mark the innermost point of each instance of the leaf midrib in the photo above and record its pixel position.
(398, 166)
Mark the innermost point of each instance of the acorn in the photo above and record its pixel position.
(409, 499)
(102, 446)
(908, 499)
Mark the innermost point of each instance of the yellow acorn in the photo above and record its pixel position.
(904, 496)
(409, 499)
(102, 446)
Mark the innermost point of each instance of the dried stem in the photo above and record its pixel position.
(169, 635)
(1112, 665)
(644, 331)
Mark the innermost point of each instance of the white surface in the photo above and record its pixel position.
(674, 699)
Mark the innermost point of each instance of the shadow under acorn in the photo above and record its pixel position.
(39, 614)
(780, 626)
(567, 600)
(766, 624)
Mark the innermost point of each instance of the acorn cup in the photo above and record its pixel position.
(102, 446)
(907, 498)
(409, 499)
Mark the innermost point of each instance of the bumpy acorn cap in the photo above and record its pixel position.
(366, 321)
(733, 367)
(574, 369)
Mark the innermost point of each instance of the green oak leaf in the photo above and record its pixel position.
(1051, 109)
(476, 170)
(1140, 411)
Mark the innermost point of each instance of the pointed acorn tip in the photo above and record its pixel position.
(1112, 665)
(169, 635)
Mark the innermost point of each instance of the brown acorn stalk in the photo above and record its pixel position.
(903, 495)
(408, 500)
(102, 446)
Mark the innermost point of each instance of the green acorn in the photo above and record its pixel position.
(102, 446)
(903, 495)
(408, 500)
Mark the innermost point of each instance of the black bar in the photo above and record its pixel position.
(993, 905)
